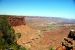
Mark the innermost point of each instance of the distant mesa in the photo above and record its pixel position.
(16, 20)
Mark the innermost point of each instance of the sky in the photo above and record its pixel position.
(46, 8)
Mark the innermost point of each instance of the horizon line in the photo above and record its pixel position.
(37, 16)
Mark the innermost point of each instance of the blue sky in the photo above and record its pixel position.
(48, 8)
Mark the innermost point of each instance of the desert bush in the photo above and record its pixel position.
(18, 35)
(51, 48)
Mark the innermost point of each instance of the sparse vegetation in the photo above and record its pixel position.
(8, 36)
(51, 48)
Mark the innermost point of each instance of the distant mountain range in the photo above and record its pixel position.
(56, 20)
(39, 19)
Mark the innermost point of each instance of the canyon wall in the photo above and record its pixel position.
(16, 20)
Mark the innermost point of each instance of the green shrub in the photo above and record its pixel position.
(52, 48)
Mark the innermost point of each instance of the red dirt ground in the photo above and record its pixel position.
(31, 40)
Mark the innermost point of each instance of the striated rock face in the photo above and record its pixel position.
(16, 21)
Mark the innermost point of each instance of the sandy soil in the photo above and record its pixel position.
(32, 39)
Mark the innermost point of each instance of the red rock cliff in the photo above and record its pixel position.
(16, 20)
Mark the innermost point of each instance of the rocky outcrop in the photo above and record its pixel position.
(68, 42)
(16, 20)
